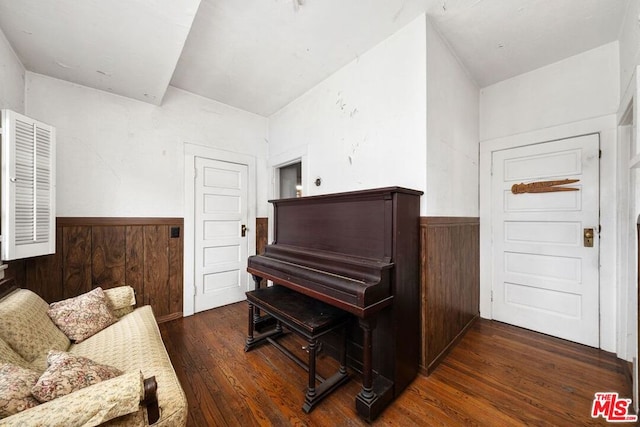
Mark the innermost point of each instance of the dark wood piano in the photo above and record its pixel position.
(358, 251)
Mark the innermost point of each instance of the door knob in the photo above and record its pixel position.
(588, 237)
(243, 230)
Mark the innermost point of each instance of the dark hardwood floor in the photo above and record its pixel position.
(498, 375)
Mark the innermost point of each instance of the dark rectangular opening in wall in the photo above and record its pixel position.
(291, 181)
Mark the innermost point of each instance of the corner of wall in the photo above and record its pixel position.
(452, 131)
(12, 74)
(629, 44)
(435, 32)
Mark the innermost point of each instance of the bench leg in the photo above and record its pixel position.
(254, 337)
(311, 389)
(250, 339)
(261, 322)
(316, 394)
(343, 353)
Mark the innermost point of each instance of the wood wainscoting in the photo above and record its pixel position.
(262, 234)
(109, 252)
(449, 283)
(262, 237)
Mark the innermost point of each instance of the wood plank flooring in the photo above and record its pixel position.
(498, 375)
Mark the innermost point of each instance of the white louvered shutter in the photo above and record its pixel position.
(28, 187)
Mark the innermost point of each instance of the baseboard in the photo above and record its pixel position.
(627, 369)
(169, 317)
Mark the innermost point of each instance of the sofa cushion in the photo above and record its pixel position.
(121, 300)
(15, 389)
(138, 333)
(67, 373)
(8, 355)
(26, 327)
(82, 316)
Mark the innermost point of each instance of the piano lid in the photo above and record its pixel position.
(353, 195)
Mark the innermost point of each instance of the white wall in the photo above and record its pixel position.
(574, 96)
(452, 133)
(580, 87)
(629, 44)
(124, 158)
(364, 126)
(11, 78)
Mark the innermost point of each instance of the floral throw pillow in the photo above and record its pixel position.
(82, 316)
(15, 389)
(67, 373)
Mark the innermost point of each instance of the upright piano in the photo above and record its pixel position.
(358, 251)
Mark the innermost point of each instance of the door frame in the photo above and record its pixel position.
(606, 126)
(296, 155)
(628, 118)
(191, 151)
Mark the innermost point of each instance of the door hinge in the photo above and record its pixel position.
(491, 296)
(599, 154)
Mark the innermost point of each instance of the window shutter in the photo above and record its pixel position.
(28, 187)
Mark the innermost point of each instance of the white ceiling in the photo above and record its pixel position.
(260, 55)
(128, 47)
(499, 39)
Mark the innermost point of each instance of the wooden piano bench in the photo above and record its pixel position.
(309, 318)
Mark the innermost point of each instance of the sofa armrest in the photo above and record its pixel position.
(151, 400)
(89, 406)
(121, 300)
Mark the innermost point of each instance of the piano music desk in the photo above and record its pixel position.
(307, 317)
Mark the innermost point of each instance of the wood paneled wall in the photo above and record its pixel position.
(262, 237)
(108, 252)
(262, 234)
(450, 284)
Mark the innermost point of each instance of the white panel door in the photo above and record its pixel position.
(544, 278)
(220, 247)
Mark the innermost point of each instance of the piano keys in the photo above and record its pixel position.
(358, 251)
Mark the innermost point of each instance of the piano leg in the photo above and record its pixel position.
(311, 389)
(257, 280)
(376, 393)
(367, 395)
